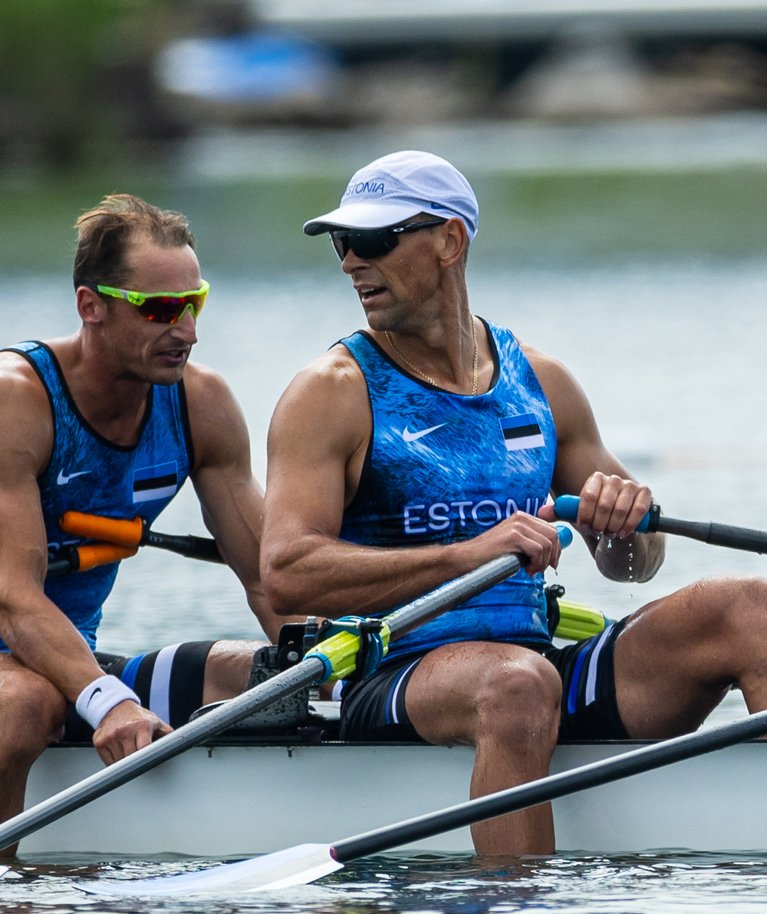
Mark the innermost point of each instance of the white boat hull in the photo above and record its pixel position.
(232, 800)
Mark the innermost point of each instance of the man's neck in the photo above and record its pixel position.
(114, 407)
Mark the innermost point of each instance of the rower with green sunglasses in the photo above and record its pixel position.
(111, 420)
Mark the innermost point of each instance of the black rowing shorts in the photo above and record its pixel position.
(587, 671)
(374, 709)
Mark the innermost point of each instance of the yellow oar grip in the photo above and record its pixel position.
(577, 621)
(339, 653)
(126, 533)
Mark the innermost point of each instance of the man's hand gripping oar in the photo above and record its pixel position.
(566, 508)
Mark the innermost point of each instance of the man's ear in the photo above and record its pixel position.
(455, 241)
(90, 305)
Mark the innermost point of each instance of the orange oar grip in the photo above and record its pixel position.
(102, 554)
(120, 532)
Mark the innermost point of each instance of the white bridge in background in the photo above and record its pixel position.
(373, 21)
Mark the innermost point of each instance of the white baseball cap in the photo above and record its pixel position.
(397, 187)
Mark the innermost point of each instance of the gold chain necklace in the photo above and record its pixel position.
(427, 378)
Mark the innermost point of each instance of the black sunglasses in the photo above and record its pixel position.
(372, 243)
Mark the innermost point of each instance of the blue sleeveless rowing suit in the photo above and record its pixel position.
(443, 467)
(90, 474)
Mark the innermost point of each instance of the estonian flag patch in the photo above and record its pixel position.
(160, 481)
(520, 433)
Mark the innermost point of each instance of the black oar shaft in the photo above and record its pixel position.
(716, 534)
(550, 788)
(194, 547)
(450, 594)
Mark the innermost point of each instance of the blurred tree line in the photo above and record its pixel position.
(76, 78)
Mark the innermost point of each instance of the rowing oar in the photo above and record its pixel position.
(135, 532)
(307, 862)
(119, 539)
(334, 657)
(566, 508)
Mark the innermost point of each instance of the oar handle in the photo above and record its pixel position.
(566, 508)
(91, 556)
(114, 530)
(135, 532)
(87, 556)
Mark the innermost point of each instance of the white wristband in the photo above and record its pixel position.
(99, 697)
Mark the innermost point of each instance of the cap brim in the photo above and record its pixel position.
(362, 216)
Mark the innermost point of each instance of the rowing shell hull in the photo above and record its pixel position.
(231, 799)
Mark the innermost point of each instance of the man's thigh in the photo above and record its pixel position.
(460, 689)
(675, 661)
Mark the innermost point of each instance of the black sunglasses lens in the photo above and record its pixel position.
(366, 243)
(340, 243)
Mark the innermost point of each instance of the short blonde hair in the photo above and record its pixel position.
(103, 234)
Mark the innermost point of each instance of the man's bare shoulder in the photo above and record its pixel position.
(553, 374)
(19, 381)
(327, 400)
(336, 365)
(25, 412)
(199, 377)
(208, 393)
(567, 399)
(334, 374)
(214, 413)
(536, 357)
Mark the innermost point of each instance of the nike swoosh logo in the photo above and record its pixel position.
(62, 479)
(94, 693)
(409, 436)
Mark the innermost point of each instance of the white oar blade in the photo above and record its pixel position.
(294, 866)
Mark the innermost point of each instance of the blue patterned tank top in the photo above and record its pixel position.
(88, 473)
(443, 467)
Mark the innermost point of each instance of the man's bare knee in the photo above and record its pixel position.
(227, 669)
(32, 713)
(518, 700)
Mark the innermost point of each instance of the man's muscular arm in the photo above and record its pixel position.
(37, 632)
(612, 502)
(317, 443)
